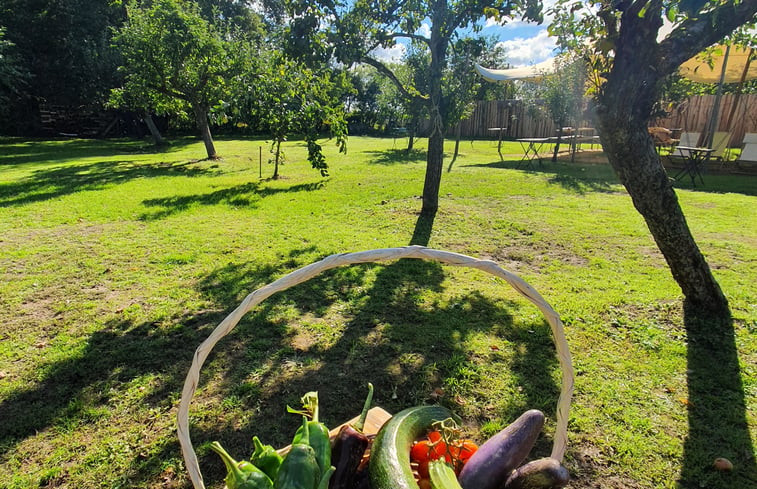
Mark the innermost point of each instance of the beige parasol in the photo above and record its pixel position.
(708, 69)
(721, 64)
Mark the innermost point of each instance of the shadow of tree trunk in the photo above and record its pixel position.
(423, 228)
(717, 407)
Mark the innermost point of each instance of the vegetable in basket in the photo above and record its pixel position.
(389, 466)
(349, 447)
(544, 473)
(242, 474)
(266, 458)
(442, 442)
(442, 475)
(300, 470)
(318, 432)
(490, 466)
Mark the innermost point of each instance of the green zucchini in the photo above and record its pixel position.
(389, 466)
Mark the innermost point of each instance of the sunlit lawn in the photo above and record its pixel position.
(117, 261)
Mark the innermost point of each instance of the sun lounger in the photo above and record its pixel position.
(748, 153)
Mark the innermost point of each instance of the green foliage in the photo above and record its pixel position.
(284, 98)
(173, 58)
(13, 78)
(66, 46)
(559, 95)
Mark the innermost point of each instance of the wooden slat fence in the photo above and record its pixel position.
(692, 115)
(738, 114)
(509, 114)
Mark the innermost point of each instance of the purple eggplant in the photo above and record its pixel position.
(492, 463)
(545, 473)
(349, 447)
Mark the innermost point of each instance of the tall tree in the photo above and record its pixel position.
(176, 60)
(13, 78)
(624, 48)
(357, 28)
(65, 48)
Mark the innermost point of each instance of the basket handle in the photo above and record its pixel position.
(334, 261)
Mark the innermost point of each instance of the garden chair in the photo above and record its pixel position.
(750, 137)
(748, 154)
(690, 139)
(677, 156)
(720, 147)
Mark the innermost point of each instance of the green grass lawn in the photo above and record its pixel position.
(117, 261)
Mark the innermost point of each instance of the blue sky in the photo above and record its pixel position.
(524, 43)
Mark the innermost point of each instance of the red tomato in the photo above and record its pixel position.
(425, 450)
(423, 469)
(434, 436)
(467, 448)
(424, 484)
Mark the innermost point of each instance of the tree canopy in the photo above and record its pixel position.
(174, 59)
(353, 31)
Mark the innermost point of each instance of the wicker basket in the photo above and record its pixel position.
(379, 255)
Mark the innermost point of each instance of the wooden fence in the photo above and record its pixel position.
(512, 116)
(737, 114)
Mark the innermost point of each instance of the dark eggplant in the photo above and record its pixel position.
(492, 463)
(349, 447)
(545, 473)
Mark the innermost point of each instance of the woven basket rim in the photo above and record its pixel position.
(377, 255)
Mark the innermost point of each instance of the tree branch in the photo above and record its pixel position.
(417, 37)
(382, 68)
(695, 34)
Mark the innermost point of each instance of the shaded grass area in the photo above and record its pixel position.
(116, 262)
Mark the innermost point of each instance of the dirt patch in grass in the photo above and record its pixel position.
(532, 257)
(587, 466)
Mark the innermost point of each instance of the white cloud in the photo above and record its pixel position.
(523, 52)
(390, 55)
(424, 30)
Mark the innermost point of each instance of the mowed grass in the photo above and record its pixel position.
(117, 261)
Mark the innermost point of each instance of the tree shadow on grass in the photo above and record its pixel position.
(717, 407)
(56, 151)
(579, 179)
(74, 392)
(392, 337)
(244, 195)
(56, 182)
(113, 356)
(396, 156)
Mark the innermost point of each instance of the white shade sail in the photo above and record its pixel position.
(533, 72)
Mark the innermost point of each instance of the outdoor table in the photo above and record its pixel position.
(500, 131)
(531, 147)
(694, 160)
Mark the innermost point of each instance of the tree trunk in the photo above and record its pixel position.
(201, 117)
(435, 153)
(557, 144)
(623, 114)
(458, 135)
(411, 135)
(154, 132)
(276, 159)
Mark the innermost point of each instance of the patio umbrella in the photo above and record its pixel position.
(724, 64)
